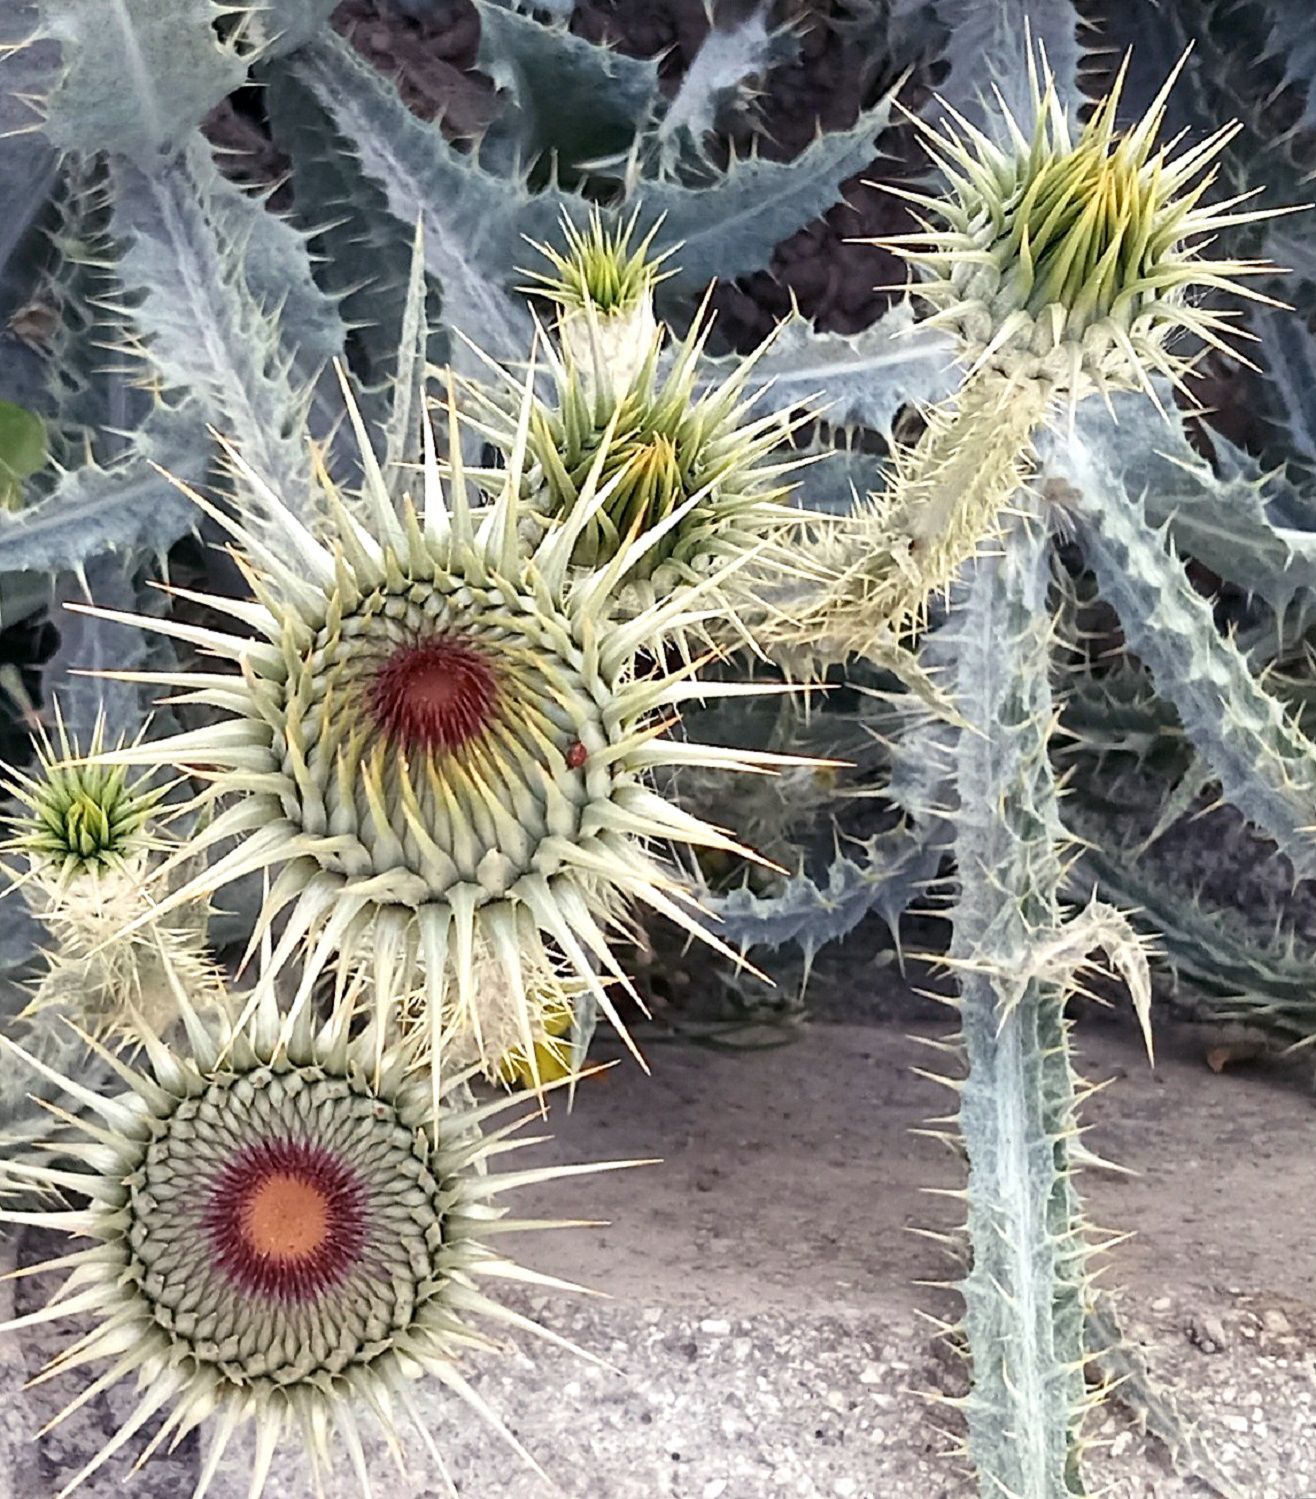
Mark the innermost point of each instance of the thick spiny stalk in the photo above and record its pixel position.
(1024, 1295)
(908, 542)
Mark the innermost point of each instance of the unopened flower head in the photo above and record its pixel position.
(79, 820)
(697, 465)
(283, 1233)
(443, 739)
(603, 290)
(1068, 258)
(88, 839)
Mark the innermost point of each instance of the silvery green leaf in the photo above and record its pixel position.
(128, 76)
(473, 220)
(730, 224)
(990, 45)
(563, 93)
(123, 507)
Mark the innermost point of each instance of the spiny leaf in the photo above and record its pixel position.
(1288, 356)
(991, 43)
(1224, 520)
(565, 95)
(890, 871)
(856, 380)
(279, 26)
(1266, 765)
(728, 59)
(128, 505)
(190, 247)
(130, 76)
(730, 225)
(362, 253)
(473, 220)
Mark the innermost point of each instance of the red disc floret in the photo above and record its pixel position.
(436, 694)
(287, 1219)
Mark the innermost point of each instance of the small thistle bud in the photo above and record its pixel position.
(444, 741)
(84, 832)
(284, 1232)
(79, 820)
(1068, 260)
(604, 295)
(549, 1060)
(689, 464)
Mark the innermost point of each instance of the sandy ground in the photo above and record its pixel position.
(762, 1318)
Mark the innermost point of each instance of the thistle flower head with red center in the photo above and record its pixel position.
(445, 739)
(284, 1231)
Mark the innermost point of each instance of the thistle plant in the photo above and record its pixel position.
(444, 744)
(1062, 263)
(283, 1235)
(1062, 272)
(88, 839)
(444, 725)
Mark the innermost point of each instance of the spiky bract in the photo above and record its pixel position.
(283, 1232)
(600, 268)
(903, 546)
(442, 738)
(695, 466)
(603, 290)
(1068, 257)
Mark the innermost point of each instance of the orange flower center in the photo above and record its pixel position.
(286, 1217)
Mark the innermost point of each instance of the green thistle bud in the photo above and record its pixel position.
(78, 818)
(284, 1232)
(603, 290)
(693, 467)
(1068, 260)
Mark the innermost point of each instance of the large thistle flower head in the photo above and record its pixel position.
(442, 739)
(283, 1233)
(693, 464)
(602, 288)
(1071, 258)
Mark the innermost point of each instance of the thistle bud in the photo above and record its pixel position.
(1068, 259)
(603, 291)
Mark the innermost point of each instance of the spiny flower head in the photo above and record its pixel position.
(1070, 259)
(79, 818)
(283, 1232)
(603, 290)
(442, 738)
(86, 832)
(688, 464)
